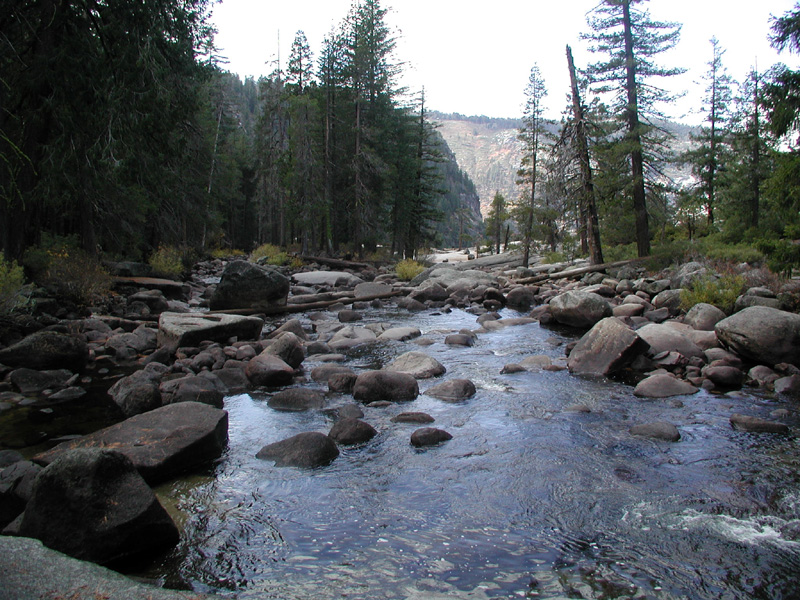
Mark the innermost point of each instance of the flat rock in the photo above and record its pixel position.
(666, 338)
(659, 430)
(350, 337)
(413, 417)
(417, 364)
(306, 450)
(756, 424)
(452, 390)
(663, 386)
(329, 278)
(177, 330)
(161, 443)
(363, 290)
(31, 381)
(400, 334)
(606, 348)
(296, 400)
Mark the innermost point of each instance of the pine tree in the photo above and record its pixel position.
(301, 65)
(495, 220)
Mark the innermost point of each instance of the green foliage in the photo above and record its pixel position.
(226, 253)
(782, 255)
(265, 253)
(721, 292)
(408, 269)
(12, 284)
(167, 262)
(76, 276)
(550, 258)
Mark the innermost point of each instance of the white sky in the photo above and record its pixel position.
(475, 57)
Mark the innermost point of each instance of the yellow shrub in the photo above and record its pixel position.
(77, 276)
(12, 282)
(167, 261)
(408, 269)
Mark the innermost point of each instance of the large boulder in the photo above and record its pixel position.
(579, 309)
(663, 386)
(268, 370)
(452, 390)
(247, 285)
(393, 386)
(668, 338)
(349, 431)
(138, 392)
(417, 364)
(92, 504)
(189, 329)
(703, 316)
(207, 389)
(296, 400)
(288, 348)
(606, 348)
(47, 350)
(161, 443)
(763, 334)
(307, 450)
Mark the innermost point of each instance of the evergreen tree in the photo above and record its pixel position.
(496, 220)
(301, 65)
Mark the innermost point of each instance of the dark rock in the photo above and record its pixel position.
(352, 431)
(663, 386)
(521, 298)
(177, 330)
(323, 373)
(762, 375)
(419, 418)
(288, 348)
(349, 411)
(268, 370)
(193, 388)
(659, 430)
(756, 424)
(764, 334)
(296, 400)
(788, 385)
(579, 309)
(307, 450)
(29, 381)
(138, 392)
(385, 385)
(153, 299)
(16, 488)
(247, 285)
(92, 504)
(349, 316)
(460, 339)
(724, 376)
(161, 443)
(605, 349)
(342, 383)
(511, 368)
(417, 364)
(429, 436)
(669, 299)
(400, 334)
(47, 350)
(452, 390)
(234, 378)
(9, 457)
(69, 394)
(703, 316)
(658, 315)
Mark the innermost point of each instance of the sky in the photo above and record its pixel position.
(475, 58)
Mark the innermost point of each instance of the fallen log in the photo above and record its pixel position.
(581, 271)
(296, 308)
(334, 262)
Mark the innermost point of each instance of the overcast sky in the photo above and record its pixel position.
(475, 57)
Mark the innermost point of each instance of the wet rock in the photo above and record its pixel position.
(521, 298)
(659, 430)
(323, 373)
(703, 316)
(69, 394)
(291, 326)
(92, 504)
(579, 309)
(138, 392)
(663, 386)
(349, 411)
(268, 370)
(788, 385)
(351, 431)
(460, 339)
(452, 390)
(429, 436)
(578, 408)
(400, 334)
(177, 330)
(349, 316)
(193, 388)
(766, 335)
(666, 338)
(327, 278)
(411, 305)
(756, 424)
(47, 350)
(606, 348)
(363, 290)
(161, 443)
(247, 285)
(724, 376)
(417, 364)
(420, 418)
(392, 386)
(536, 363)
(306, 450)
(350, 337)
(342, 383)
(296, 400)
(762, 375)
(512, 368)
(30, 381)
(288, 348)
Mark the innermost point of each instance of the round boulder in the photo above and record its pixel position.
(306, 450)
(703, 316)
(766, 335)
(268, 370)
(663, 386)
(296, 400)
(453, 390)
(247, 285)
(429, 436)
(352, 431)
(417, 364)
(579, 309)
(393, 386)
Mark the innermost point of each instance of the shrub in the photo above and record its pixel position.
(721, 292)
(12, 284)
(782, 255)
(167, 261)
(408, 269)
(76, 276)
(550, 258)
(265, 251)
(279, 259)
(226, 252)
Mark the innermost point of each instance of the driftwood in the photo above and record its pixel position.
(334, 262)
(581, 271)
(296, 308)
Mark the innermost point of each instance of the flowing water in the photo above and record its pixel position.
(528, 500)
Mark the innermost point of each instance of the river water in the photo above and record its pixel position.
(528, 500)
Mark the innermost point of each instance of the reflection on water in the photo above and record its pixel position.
(526, 500)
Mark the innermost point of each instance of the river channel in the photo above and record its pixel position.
(530, 499)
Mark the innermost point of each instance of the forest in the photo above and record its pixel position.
(121, 134)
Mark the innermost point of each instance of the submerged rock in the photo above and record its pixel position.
(393, 386)
(307, 450)
(756, 424)
(659, 430)
(429, 436)
(452, 390)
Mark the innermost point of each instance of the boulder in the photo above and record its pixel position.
(393, 386)
(703, 316)
(193, 388)
(289, 348)
(452, 390)
(766, 335)
(30, 381)
(521, 298)
(663, 386)
(138, 392)
(762, 375)
(177, 330)
(536, 363)
(429, 436)
(659, 430)
(342, 383)
(347, 315)
(268, 370)
(327, 278)
(579, 309)
(400, 334)
(789, 385)
(323, 373)
(417, 364)
(419, 418)
(724, 376)
(292, 326)
(161, 443)
(748, 300)
(47, 350)
(306, 450)
(16, 488)
(688, 273)
(606, 348)
(296, 400)
(349, 337)
(669, 299)
(247, 285)
(666, 338)
(92, 504)
(459, 339)
(364, 290)
(756, 424)
(350, 431)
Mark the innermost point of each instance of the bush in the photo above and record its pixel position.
(782, 255)
(551, 258)
(226, 252)
(76, 276)
(12, 285)
(265, 251)
(167, 262)
(408, 269)
(721, 292)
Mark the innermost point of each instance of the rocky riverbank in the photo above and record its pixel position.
(172, 366)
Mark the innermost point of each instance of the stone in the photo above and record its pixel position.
(659, 430)
(350, 337)
(291, 326)
(193, 388)
(459, 339)
(536, 363)
(92, 504)
(747, 300)
(393, 386)
(349, 431)
(364, 290)
(347, 315)
(756, 424)
(703, 316)
(452, 390)
(138, 392)
(766, 335)
(327, 278)
(724, 376)
(268, 370)
(296, 400)
(429, 436)
(669, 299)
(628, 309)
(663, 386)
(688, 273)
(30, 381)
(666, 338)
(247, 285)
(420, 418)
(400, 334)
(788, 385)
(521, 298)
(234, 378)
(417, 364)
(47, 350)
(342, 383)
(155, 300)
(162, 443)
(579, 309)
(762, 375)
(307, 450)
(323, 373)
(177, 330)
(606, 348)
(16, 489)
(289, 348)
